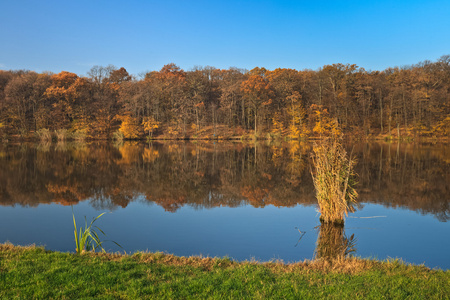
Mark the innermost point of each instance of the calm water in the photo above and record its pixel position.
(225, 199)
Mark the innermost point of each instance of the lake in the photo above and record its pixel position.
(244, 201)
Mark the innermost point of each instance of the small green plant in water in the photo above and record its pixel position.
(334, 180)
(87, 238)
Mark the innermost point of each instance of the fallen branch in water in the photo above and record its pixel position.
(368, 217)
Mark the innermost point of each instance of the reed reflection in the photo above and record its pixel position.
(332, 242)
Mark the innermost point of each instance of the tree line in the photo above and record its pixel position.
(207, 102)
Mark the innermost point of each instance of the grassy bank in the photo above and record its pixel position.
(32, 272)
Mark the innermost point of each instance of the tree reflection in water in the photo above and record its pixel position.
(207, 174)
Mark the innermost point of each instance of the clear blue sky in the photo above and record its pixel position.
(145, 35)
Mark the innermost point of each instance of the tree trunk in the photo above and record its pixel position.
(381, 111)
(256, 118)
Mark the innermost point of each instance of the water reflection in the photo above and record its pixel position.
(332, 243)
(206, 175)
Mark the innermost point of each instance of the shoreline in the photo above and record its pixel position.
(30, 271)
(244, 139)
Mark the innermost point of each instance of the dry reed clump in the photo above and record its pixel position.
(347, 265)
(8, 250)
(7, 246)
(44, 135)
(333, 180)
(61, 134)
(79, 135)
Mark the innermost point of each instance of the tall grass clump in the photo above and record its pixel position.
(62, 134)
(118, 135)
(334, 180)
(87, 238)
(79, 135)
(44, 135)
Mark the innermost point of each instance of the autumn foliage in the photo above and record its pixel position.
(173, 103)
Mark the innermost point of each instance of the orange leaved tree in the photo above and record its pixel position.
(257, 92)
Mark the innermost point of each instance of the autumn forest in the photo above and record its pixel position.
(210, 103)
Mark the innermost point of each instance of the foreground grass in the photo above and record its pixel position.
(35, 273)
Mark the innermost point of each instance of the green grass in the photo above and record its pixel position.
(34, 273)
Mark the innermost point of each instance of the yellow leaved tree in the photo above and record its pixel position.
(129, 127)
(295, 110)
(150, 124)
(277, 124)
(324, 124)
(442, 127)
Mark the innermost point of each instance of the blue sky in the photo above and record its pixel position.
(145, 35)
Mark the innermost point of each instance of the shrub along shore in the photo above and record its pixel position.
(220, 133)
(33, 272)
